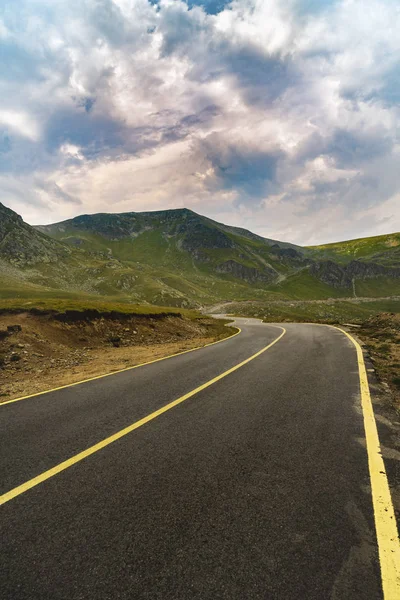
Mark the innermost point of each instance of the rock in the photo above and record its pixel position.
(343, 275)
(199, 236)
(248, 274)
(15, 357)
(4, 334)
(14, 328)
(20, 345)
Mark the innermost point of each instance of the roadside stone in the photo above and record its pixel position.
(114, 338)
(14, 328)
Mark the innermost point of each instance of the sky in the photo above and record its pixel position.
(280, 116)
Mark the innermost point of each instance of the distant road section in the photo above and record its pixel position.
(237, 471)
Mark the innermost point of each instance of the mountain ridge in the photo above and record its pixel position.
(180, 258)
(159, 214)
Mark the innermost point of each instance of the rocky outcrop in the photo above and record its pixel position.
(22, 245)
(365, 270)
(111, 226)
(248, 274)
(337, 275)
(199, 236)
(289, 255)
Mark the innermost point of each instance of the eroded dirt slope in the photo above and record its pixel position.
(38, 352)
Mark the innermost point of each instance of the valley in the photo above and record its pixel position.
(92, 279)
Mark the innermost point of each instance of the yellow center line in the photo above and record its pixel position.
(24, 487)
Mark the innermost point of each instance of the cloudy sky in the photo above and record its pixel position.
(281, 116)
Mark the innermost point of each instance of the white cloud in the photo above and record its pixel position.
(128, 106)
(21, 123)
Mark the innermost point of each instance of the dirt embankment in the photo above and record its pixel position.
(381, 335)
(42, 351)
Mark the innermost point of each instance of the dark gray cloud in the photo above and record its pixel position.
(179, 28)
(55, 192)
(347, 148)
(262, 79)
(350, 149)
(185, 126)
(95, 134)
(19, 156)
(236, 166)
(107, 20)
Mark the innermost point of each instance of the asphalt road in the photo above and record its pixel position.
(256, 487)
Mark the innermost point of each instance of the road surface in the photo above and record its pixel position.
(255, 487)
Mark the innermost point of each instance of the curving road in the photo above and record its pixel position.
(254, 487)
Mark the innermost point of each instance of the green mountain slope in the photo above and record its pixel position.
(180, 258)
(381, 249)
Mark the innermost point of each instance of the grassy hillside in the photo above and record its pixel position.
(182, 259)
(302, 286)
(175, 239)
(384, 249)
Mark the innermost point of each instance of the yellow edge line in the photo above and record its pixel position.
(385, 521)
(113, 438)
(150, 362)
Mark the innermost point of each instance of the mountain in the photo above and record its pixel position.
(179, 239)
(180, 258)
(20, 244)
